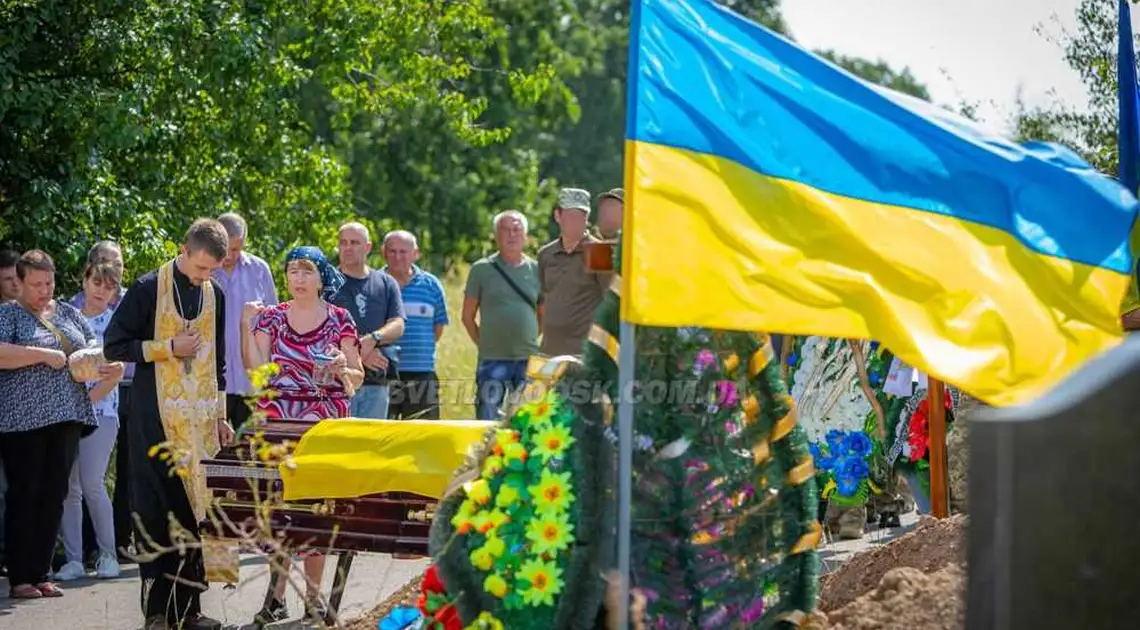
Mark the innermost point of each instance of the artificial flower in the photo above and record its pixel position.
(726, 393)
(836, 441)
(492, 466)
(400, 618)
(857, 443)
(822, 461)
(487, 522)
(541, 410)
(544, 579)
(552, 441)
(495, 585)
(478, 491)
(481, 559)
(705, 359)
(552, 492)
(851, 466)
(495, 546)
(486, 621)
(514, 452)
(504, 437)
(846, 485)
(432, 582)
(550, 533)
(446, 618)
(508, 496)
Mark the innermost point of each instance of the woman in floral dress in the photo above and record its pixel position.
(315, 346)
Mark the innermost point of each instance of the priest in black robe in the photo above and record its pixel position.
(171, 324)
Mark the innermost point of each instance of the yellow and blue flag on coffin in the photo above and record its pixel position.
(770, 190)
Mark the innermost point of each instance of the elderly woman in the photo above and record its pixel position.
(101, 282)
(315, 345)
(44, 415)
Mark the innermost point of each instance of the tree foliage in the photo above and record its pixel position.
(1091, 51)
(127, 119)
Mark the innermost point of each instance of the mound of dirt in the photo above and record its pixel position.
(931, 546)
(905, 599)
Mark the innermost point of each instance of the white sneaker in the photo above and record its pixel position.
(71, 571)
(107, 567)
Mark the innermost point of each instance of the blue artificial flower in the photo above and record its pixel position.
(835, 442)
(874, 378)
(858, 443)
(822, 462)
(847, 486)
(400, 618)
(874, 345)
(853, 467)
(792, 358)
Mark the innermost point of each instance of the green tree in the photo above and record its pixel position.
(1091, 51)
(128, 118)
(879, 72)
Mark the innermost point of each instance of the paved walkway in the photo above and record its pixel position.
(113, 604)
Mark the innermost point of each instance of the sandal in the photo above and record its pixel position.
(47, 589)
(24, 591)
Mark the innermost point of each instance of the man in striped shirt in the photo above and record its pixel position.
(415, 394)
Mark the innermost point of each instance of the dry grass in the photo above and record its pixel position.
(456, 355)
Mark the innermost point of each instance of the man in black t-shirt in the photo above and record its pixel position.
(372, 297)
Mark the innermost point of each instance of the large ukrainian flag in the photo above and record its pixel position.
(770, 190)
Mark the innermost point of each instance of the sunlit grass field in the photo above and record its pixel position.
(456, 355)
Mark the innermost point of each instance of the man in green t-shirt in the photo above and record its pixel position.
(503, 289)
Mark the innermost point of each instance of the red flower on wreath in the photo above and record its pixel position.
(918, 434)
(918, 431)
(435, 604)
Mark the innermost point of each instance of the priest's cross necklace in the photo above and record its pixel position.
(187, 362)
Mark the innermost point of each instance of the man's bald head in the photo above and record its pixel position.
(354, 245)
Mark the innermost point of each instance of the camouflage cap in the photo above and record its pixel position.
(616, 193)
(575, 198)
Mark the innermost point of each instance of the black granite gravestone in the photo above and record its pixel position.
(1054, 533)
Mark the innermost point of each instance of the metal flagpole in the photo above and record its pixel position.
(625, 464)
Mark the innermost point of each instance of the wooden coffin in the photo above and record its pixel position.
(395, 523)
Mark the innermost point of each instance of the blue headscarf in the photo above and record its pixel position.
(331, 277)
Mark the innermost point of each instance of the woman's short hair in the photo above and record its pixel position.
(34, 260)
(104, 272)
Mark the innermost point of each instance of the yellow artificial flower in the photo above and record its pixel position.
(492, 466)
(463, 521)
(485, 621)
(495, 546)
(478, 491)
(542, 409)
(508, 496)
(504, 437)
(552, 493)
(481, 559)
(552, 441)
(495, 585)
(550, 533)
(487, 522)
(514, 451)
(545, 580)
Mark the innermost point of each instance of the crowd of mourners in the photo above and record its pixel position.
(121, 367)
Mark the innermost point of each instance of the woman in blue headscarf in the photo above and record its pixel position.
(316, 349)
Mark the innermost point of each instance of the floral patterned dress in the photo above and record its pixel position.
(299, 394)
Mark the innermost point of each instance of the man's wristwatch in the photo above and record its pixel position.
(376, 336)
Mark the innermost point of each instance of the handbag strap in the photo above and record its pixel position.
(64, 343)
(502, 272)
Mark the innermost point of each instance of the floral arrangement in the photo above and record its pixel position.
(517, 518)
(845, 457)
